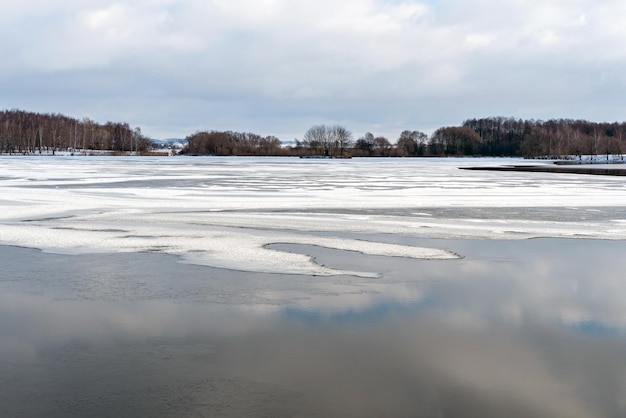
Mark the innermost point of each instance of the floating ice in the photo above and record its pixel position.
(224, 211)
(232, 248)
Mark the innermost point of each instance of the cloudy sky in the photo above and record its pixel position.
(277, 67)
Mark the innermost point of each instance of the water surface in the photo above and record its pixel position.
(514, 328)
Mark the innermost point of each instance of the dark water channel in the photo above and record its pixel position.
(532, 328)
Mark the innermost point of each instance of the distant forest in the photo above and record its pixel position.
(44, 133)
(32, 133)
(494, 136)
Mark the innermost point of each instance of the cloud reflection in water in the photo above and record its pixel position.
(503, 332)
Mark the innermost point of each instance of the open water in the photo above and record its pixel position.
(515, 328)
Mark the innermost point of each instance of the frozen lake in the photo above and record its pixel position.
(285, 287)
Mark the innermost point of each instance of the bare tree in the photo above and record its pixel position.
(316, 139)
(327, 140)
(383, 146)
(342, 139)
(596, 139)
(411, 143)
(619, 139)
(365, 144)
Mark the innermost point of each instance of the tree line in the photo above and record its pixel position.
(492, 136)
(24, 132)
(554, 138)
(232, 143)
(509, 137)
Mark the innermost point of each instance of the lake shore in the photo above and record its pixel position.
(567, 169)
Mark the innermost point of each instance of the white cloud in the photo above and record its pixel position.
(246, 12)
(478, 40)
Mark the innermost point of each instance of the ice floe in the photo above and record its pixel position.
(224, 212)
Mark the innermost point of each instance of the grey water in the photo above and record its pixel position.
(515, 328)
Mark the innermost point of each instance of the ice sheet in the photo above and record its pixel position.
(225, 211)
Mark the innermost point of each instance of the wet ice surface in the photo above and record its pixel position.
(280, 287)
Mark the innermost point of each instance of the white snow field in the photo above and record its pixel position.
(223, 212)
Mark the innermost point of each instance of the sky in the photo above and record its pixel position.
(278, 67)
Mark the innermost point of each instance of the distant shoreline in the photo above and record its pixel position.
(568, 169)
